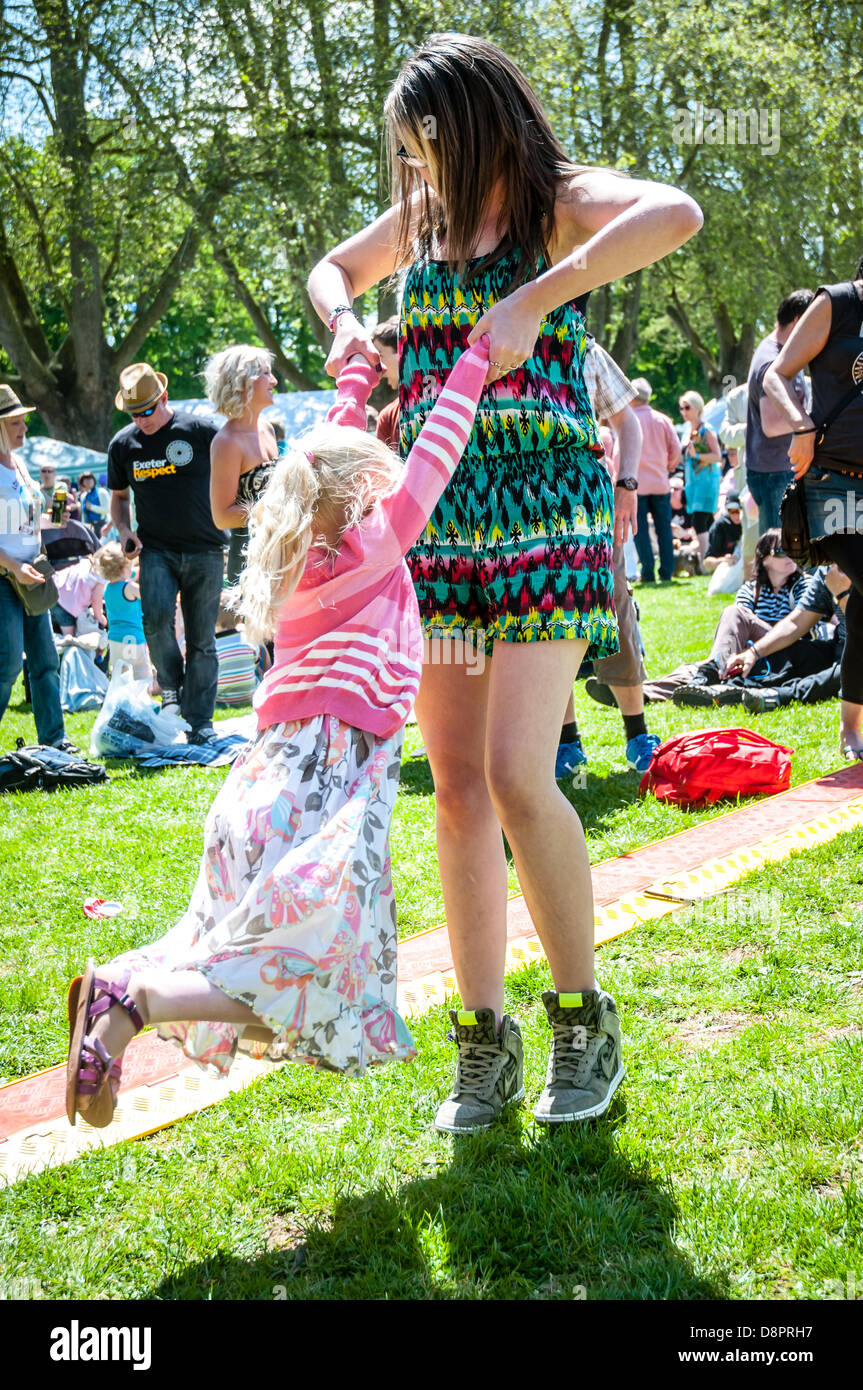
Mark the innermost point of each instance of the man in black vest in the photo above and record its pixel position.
(164, 457)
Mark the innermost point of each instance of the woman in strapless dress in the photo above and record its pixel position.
(243, 454)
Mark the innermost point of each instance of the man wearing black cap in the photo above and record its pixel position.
(724, 535)
(164, 457)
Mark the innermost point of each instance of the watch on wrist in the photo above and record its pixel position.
(631, 484)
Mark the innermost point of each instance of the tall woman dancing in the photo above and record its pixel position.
(500, 232)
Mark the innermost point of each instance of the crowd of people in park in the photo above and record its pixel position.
(499, 503)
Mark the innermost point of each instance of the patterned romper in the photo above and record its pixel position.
(519, 549)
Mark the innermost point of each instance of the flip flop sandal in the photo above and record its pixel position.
(852, 755)
(90, 1071)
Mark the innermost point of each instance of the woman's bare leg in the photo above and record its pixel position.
(451, 710)
(529, 688)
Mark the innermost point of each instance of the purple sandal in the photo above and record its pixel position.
(90, 1070)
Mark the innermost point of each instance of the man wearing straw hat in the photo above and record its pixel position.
(163, 456)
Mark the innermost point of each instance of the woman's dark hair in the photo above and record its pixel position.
(462, 105)
(764, 546)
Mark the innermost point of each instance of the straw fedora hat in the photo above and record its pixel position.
(10, 406)
(140, 387)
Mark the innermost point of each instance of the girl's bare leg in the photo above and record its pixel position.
(167, 996)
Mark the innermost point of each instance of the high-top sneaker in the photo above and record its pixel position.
(586, 1065)
(489, 1071)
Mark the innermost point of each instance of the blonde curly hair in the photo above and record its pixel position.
(230, 376)
(326, 482)
(110, 562)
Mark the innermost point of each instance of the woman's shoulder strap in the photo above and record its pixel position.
(28, 483)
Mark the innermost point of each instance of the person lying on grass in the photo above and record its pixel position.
(290, 936)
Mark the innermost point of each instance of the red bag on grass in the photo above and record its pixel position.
(703, 765)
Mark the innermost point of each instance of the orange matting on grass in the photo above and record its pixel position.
(40, 1098)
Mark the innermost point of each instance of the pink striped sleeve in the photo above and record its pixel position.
(438, 447)
(353, 388)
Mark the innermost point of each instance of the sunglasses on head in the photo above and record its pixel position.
(778, 552)
(410, 160)
(144, 414)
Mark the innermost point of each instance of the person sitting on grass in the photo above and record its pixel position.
(798, 670)
(775, 590)
(723, 538)
(237, 679)
(123, 609)
(291, 930)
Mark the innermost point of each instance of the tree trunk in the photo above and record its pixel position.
(626, 337)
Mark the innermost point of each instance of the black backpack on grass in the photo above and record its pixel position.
(37, 768)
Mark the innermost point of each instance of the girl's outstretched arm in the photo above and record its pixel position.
(438, 448)
(356, 382)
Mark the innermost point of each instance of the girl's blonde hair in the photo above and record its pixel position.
(692, 398)
(328, 480)
(230, 376)
(109, 562)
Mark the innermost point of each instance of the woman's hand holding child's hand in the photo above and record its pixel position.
(351, 337)
(512, 330)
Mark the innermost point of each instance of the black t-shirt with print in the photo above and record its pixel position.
(169, 474)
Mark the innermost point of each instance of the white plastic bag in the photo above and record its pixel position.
(128, 724)
(727, 577)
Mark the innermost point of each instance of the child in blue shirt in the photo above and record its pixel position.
(122, 601)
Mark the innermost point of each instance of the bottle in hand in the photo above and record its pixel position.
(58, 503)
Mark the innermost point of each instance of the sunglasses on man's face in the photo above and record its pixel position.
(144, 414)
(410, 160)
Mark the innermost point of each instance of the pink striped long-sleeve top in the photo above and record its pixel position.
(349, 638)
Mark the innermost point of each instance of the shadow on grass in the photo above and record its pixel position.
(560, 1215)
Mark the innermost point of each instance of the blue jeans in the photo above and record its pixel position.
(657, 504)
(197, 578)
(19, 634)
(767, 490)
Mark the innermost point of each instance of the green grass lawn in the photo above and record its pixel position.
(729, 1167)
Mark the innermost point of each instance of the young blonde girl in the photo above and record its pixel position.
(290, 937)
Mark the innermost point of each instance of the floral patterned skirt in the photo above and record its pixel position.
(293, 910)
